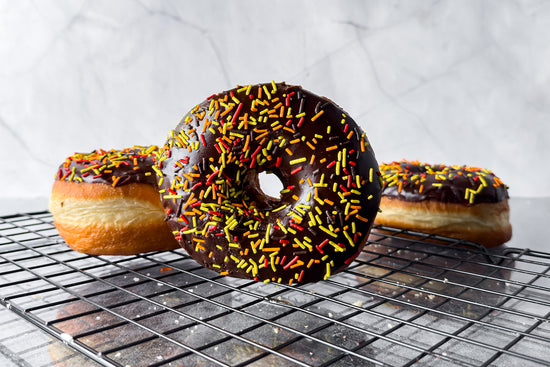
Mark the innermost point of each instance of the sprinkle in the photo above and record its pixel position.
(328, 231)
(317, 115)
(327, 274)
(298, 160)
(361, 218)
(291, 262)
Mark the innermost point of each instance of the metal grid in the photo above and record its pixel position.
(409, 298)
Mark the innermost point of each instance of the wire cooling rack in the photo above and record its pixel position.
(408, 299)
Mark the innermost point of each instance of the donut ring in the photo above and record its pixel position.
(106, 203)
(455, 201)
(217, 210)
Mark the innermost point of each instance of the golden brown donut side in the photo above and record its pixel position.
(484, 223)
(99, 219)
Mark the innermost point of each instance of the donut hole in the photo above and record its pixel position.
(270, 185)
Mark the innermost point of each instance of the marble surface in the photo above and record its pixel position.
(456, 82)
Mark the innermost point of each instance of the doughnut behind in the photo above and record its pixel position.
(106, 203)
(455, 201)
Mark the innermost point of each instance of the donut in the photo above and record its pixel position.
(208, 180)
(462, 202)
(106, 203)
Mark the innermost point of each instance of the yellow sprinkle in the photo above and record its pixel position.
(346, 209)
(483, 182)
(298, 160)
(282, 226)
(327, 274)
(311, 217)
(266, 92)
(279, 208)
(328, 231)
(344, 156)
(350, 240)
(298, 209)
(172, 196)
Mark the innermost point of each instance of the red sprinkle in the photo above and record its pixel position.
(291, 262)
(237, 112)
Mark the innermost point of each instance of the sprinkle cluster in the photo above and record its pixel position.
(207, 177)
(112, 167)
(415, 181)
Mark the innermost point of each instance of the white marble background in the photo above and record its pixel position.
(456, 82)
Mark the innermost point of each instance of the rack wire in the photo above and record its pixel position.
(409, 298)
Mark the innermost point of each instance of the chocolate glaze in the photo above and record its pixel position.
(111, 167)
(218, 212)
(449, 184)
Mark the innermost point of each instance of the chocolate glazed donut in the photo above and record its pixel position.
(106, 203)
(455, 201)
(208, 179)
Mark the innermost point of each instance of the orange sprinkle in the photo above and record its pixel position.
(361, 218)
(317, 115)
